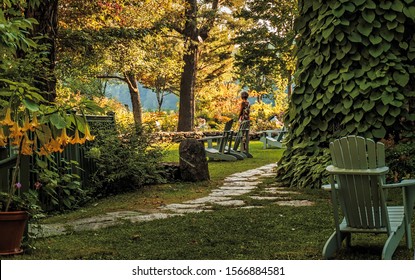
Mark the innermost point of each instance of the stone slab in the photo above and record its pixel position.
(207, 199)
(229, 192)
(295, 203)
(231, 203)
(264, 197)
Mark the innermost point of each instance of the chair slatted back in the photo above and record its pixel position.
(360, 196)
(242, 132)
(226, 136)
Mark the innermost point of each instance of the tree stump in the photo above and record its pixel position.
(193, 162)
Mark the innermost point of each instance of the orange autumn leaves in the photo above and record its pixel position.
(45, 142)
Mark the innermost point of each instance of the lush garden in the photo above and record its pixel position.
(327, 68)
(262, 233)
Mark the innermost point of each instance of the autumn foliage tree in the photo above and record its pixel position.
(102, 41)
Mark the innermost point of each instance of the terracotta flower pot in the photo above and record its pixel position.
(12, 227)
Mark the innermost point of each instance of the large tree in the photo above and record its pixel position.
(104, 39)
(45, 12)
(355, 75)
(193, 33)
(265, 52)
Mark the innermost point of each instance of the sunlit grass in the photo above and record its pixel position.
(149, 198)
(267, 233)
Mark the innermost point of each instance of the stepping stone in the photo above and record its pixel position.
(231, 203)
(123, 214)
(229, 192)
(264, 197)
(295, 203)
(93, 220)
(237, 188)
(232, 179)
(189, 210)
(251, 207)
(182, 206)
(94, 225)
(207, 199)
(239, 183)
(152, 217)
(279, 191)
(47, 230)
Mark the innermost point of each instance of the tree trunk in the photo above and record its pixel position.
(289, 90)
(187, 93)
(135, 97)
(188, 78)
(47, 16)
(160, 99)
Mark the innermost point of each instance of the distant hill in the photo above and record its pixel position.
(148, 97)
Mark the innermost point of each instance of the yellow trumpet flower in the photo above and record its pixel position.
(64, 139)
(15, 130)
(26, 125)
(8, 118)
(3, 138)
(26, 148)
(16, 140)
(76, 139)
(88, 135)
(43, 151)
(35, 123)
(55, 146)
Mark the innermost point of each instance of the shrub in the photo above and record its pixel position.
(400, 160)
(59, 185)
(124, 160)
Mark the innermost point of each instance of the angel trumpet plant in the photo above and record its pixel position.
(34, 126)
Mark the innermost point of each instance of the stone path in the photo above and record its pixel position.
(227, 195)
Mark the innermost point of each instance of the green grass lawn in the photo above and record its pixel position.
(149, 198)
(270, 232)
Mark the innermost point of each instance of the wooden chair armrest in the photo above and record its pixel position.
(403, 183)
(373, 171)
(209, 138)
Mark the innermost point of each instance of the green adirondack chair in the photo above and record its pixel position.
(272, 138)
(358, 188)
(241, 140)
(216, 148)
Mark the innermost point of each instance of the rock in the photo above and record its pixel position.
(193, 162)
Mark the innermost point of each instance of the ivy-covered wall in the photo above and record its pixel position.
(355, 75)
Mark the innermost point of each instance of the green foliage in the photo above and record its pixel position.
(265, 52)
(60, 186)
(355, 76)
(125, 160)
(401, 161)
(161, 121)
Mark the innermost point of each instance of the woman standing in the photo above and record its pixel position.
(244, 109)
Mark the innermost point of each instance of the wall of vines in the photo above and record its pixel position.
(355, 75)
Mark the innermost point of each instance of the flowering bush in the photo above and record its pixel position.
(33, 126)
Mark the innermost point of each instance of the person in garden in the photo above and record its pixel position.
(244, 110)
(244, 107)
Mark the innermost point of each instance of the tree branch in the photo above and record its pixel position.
(111, 77)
